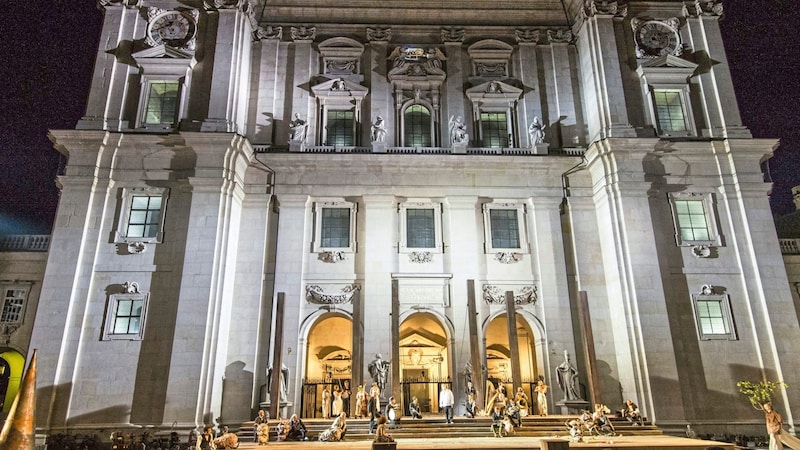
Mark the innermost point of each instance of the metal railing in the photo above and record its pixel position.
(25, 243)
(506, 151)
(790, 246)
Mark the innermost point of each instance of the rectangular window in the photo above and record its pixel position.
(713, 316)
(420, 228)
(142, 215)
(694, 220)
(13, 304)
(162, 103)
(494, 129)
(505, 228)
(340, 128)
(670, 111)
(128, 316)
(335, 231)
(145, 216)
(125, 319)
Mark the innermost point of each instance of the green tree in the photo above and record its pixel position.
(760, 392)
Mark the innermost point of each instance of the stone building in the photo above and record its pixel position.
(289, 184)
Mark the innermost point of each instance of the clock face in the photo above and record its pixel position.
(656, 39)
(171, 28)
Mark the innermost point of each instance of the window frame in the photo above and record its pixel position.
(351, 130)
(403, 209)
(144, 99)
(686, 109)
(711, 219)
(110, 319)
(521, 226)
(323, 204)
(508, 138)
(430, 128)
(26, 289)
(126, 203)
(726, 316)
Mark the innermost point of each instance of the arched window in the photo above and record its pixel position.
(417, 126)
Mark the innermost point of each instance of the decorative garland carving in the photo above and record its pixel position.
(268, 32)
(379, 34)
(303, 34)
(527, 36)
(605, 8)
(125, 3)
(136, 247)
(453, 34)
(508, 257)
(708, 7)
(420, 257)
(527, 295)
(315, 294)
(701, 251)
(562, 36)
(332, 257)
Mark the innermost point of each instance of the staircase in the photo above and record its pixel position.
(435, 426)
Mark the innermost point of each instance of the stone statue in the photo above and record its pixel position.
(536, 132)
(299, 128)
(379, 369)
(284, 387)
(567, 377)
(379, 130)
(458, 130)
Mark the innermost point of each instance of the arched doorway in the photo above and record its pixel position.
(328, 362)
(424, 361)
(12, 364)
(498, 356)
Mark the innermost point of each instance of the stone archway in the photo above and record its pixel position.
(424, 360)
(498, 354)
(328, 361)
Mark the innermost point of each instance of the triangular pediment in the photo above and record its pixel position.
(163, 51)
(339, 87)
(669, 61)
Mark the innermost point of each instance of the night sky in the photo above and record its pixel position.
(48, 47)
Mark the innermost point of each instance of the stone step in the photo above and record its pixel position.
(532, 426)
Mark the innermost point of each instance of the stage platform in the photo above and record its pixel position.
(510, 443)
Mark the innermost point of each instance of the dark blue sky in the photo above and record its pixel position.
(49, 46)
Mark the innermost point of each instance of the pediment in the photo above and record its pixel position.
(340, 88)
(490, 50)
(421, 338)
(493, 93)
(163, 51)
(669, 61)
(164, 60)
(666, 69)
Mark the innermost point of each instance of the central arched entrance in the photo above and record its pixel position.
(424, 360)
(328, 363)
(498, 356)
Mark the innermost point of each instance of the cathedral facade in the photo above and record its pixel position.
(459, 191)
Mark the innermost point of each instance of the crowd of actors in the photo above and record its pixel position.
(506, 412)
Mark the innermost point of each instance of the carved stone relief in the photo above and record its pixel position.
(332, 257)
(508, 257)
(317, 295)
(420, 257)
(269, 32)
(526, 295)
(379, 34)
(527, 36)
(303, 34)
(452, 34)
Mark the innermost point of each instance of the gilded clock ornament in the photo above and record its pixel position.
(656, 38)
(176, 29)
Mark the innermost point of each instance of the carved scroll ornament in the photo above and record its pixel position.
(315, 294)
(527, 295)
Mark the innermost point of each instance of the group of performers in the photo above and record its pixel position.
(520, 401)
